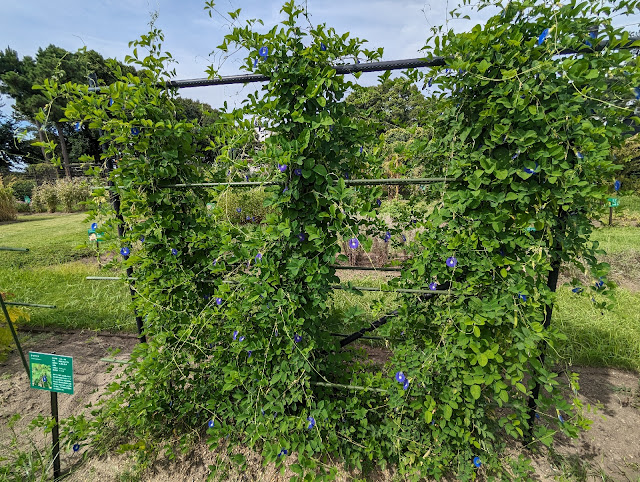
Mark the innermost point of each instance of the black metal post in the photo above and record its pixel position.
(14, 335)
(610, 215)
(55, 436)
(115, 202)
(552, 284)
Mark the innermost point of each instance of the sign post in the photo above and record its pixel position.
(614, 202)
(53, 373)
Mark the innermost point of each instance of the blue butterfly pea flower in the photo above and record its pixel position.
(297, 338)
(76, 447)
(477, 462)
(212, 423)
(312, 423)
(124, 251)
(543, 36)
(94, 226)
(354, 243)
(400, 378)
(433, 286)
(452, 262)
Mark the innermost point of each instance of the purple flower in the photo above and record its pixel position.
(283, 452)
(560, 418)
(522, 297)
(212, 423)
(282, 167)
(263, 52)
(577, 289)
(302, 236)
(354, 243)
(636, 92)
(378, 202)
(312, 422)
(110, 101)
(241, 338)
(297, 338)
(76, 447)
(174, 251)
(258, 257)
(477, 462)
(430, 83)
(360, 149)
(405, 385)
(400, 378)
(239, 210)
(433, 286)
(285, 189)
(94, 226)
(452, 261)
(135, 131)
(297, 171)
(616, 185)
(323, 47)
(235, 335)
(531, 171)
(44, 379)
(249, 352)
(124, 251)
(218, 301)
(387, 237)
(599, 283)
(579, 155)
(142, 239)
(404, 238)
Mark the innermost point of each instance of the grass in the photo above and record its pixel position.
(609, 338)
(54, 272)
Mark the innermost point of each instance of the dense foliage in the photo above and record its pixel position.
(237, 307)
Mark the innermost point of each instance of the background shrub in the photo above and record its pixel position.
(8, 211)
(72, 192)
(22, 188)
(45, 198)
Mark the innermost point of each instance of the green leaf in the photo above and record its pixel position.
(475, 391)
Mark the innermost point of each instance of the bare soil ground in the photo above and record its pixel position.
(610, 449)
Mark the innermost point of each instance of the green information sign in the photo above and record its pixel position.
(53, 373)
(614, 202)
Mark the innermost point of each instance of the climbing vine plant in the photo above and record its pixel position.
(237, 306)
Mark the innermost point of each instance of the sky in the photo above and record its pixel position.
(107, 26)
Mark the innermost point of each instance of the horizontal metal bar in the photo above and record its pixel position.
(366, 268)
(344, 335)
(115, 360)
(348, 182)
(381, 66)
(396, 290)
(348, 387)
(24, 250)
(108, 278)
(335, 287)
(32, 305)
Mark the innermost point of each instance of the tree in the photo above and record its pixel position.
(392, 104)
(17, 78)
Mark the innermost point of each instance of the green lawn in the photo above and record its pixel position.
(53, 272)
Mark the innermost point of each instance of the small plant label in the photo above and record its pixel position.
(614, 202)
(53, 373)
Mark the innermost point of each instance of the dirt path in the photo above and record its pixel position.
(611, 448)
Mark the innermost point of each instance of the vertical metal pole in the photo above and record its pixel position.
(610, 215)
(55, 436)
(14, 335)
(115, 201)
(552, 284)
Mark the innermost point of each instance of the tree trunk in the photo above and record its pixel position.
(41, 137)
(65, 154)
